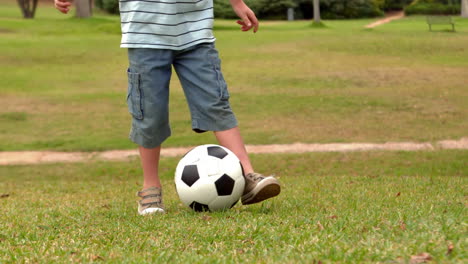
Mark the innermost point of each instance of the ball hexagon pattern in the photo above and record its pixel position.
(190, 175)
(209, 178)
(198, 207)
(224, 185)
(217, 151)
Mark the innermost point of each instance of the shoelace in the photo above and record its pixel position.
(255, 177)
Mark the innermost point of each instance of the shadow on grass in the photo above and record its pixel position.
(317, 25)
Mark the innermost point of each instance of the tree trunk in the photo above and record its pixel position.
(464, 8)
(83, 8)
(317, 18)
(28, 8)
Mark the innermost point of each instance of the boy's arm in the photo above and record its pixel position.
(249, 20)
(62, 5)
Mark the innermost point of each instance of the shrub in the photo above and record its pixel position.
(110, 6)
(98, 4)
(276, 9)
(340, 9)
(222, 9)
(395, 4)
(273, 9)
(433, 7)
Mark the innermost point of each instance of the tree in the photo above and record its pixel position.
(317, 18)
(83, 8)
(28, 7)
(464, 8)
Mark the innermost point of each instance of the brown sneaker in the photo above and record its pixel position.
(259, 188)
(151, 201)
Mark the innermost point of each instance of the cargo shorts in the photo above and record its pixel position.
(199, 71)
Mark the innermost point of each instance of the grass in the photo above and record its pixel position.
(64, 86)
(65, 80)
(350, 207)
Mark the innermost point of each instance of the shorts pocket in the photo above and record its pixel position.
(223, 91)
(134, 98)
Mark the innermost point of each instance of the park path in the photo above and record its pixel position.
(388, 18)
(38, 157)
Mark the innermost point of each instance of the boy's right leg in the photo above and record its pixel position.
(148, 95)
(150, 164)
(151, 194)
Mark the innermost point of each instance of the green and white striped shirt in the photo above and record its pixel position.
(166, 24)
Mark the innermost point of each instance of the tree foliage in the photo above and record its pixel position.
(330, 9)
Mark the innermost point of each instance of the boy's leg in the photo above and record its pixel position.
(199, 70)
(149, 73)
(150, 164)
(232, 140)
(257, 187)
(151, 194)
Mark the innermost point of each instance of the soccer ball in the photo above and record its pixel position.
(209, 178)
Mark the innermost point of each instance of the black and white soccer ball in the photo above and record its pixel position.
(209, 178)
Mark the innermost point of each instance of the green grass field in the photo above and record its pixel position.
(360, 207)
(64, 82)
(63, 87)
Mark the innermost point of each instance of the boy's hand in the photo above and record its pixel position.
(247, 16)
(62, 6)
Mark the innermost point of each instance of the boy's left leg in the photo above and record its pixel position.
(199, 70)
(257, 187)
(232, 140)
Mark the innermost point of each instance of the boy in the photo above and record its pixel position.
(159, 35)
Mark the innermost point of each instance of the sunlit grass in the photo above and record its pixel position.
(290, 82)
(63, 87)
(350, 207)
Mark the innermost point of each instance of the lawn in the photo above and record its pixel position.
(64, 82)
(63, 87)
(349, 207)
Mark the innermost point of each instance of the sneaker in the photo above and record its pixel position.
(151, 201)
(259, 188)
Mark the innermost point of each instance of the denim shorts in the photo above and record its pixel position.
(199, 71)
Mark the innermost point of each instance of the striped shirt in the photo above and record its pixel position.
(166, 24)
